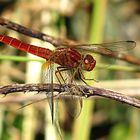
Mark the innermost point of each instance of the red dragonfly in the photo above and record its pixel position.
(70, 58)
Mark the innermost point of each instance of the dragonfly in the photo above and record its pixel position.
(70, 57)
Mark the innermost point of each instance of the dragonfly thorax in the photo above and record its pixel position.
(88, 63)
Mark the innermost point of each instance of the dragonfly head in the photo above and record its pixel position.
(88, 63)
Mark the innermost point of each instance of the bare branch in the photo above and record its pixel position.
(36, 34)
(61, 89)
(62, 42)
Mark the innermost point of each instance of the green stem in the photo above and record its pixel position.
(83, 122)
(98, 66)
(118, 67)
(19, 58)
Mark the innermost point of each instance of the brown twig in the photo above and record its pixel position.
(63, 42)
(87, 92)
(36, 34)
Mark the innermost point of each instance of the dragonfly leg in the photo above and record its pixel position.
(82, 77)
(59, 71)
(74, 103)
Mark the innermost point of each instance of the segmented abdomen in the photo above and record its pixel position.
(38, 51)
(66, 57)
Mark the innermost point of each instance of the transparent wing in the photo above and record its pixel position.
(48, 78)
(48, 72)
(74, 101)
(114, 46)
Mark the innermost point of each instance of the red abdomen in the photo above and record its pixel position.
(38, 51)
(66, 57)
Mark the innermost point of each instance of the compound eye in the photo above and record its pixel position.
(89, 63)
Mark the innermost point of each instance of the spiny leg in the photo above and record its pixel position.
(82, 78)
(76, 102)
(78, 89)
(59, 71)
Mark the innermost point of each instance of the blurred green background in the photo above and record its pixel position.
(88, 21)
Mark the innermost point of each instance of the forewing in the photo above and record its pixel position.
(120, 46)
(74, 101)
(48, 68)
(73, 106)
